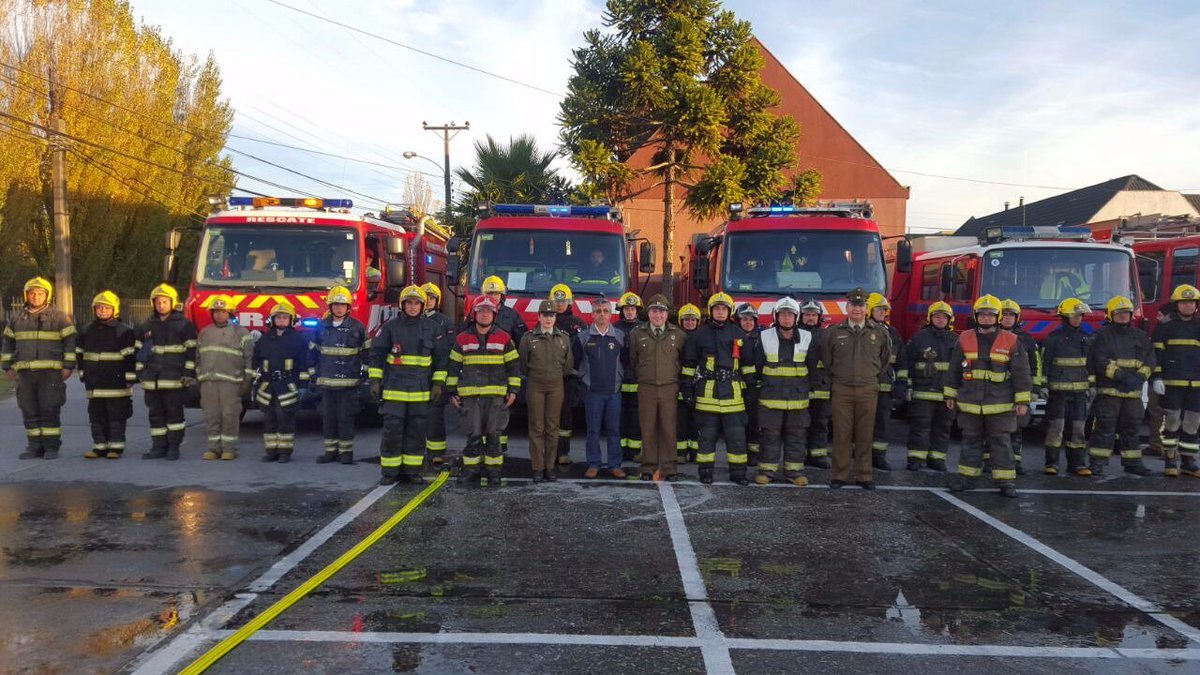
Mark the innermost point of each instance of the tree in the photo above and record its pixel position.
(804, 189)
(678, 80)
(417, 193)
(516, 173)
(146, 125)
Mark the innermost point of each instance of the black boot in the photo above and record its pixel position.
(388, 479)
(285, 457)
(738, 475)
(346, 457)
(173, 453)
(270, 457)
(1008, 489)
(914, 464)
(327, 457)
(156, 452)
(706, 474)
(938, 465)
(821, 462)
(1020, 469)
(1138, 469)
(961, 484)
(494, 479)
(51, 453)
(1188, 466)
(1097, 466)
(879, 461)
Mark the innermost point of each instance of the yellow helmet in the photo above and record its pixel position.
(165, 291)
(223, 303)
(283, 308)
(1185, 292)
(338, 295)
(1118, 303)
(988, 303)
(560, 293)
(413, 293)
(942, 307)
(108, 298)
(432, 291)
(720, 299)
(1072, 307)
(494, 284)
(877, 300)
(689, 311)
(630, 299)
(1010, 305)
(42, 283)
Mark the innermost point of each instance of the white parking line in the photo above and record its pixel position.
(1095, 578)
(165, 658)
(717, 660)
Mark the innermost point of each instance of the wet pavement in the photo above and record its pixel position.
(140, 566)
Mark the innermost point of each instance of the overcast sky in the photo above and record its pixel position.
(1045, 95)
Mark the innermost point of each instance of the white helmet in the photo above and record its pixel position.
(787, 305)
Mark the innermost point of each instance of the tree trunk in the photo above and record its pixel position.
(668, 254)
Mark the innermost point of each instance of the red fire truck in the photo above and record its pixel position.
(1165, 259)
(763, 253)
(534, 247)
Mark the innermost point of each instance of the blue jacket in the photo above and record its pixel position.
(598, 359)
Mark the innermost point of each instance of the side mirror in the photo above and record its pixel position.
(646, 258)
(395, 245)
(169, 270)
(904, 256)
(700, 277)
(706, 245)
(947, 279)
(453, 261)
(174, 237)
(395, 273)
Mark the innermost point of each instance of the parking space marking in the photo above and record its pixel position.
(717, 660)
(1095, 578)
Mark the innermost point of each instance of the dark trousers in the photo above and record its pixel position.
(167, 423)
(883, 411)
(338, 410)
(753, 425)
(402, 448)
(928, 429)
(1118, 422)
(108, 417)
(279, 428)
(657, 406)
(991, 434)
(783, 433)
(687, 438)
(566, 416)
(819, 412)
(853, 430)
(435, 436)
(485, 418)
(1066, 421)
(1154, 413)
(732, 426)
(1017, 439)
(603, 415)
(543, 399)
(631, 433)
(41, 395)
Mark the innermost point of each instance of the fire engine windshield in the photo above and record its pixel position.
(533, 261)
(300, 258)
(1045, 276)
(786, 262)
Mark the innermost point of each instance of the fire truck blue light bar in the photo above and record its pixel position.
(550, 210)
(309, 202)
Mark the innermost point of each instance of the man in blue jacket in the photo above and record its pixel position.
(598, 354)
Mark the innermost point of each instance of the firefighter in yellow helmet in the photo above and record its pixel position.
(1177, 381)
(927, 359)
(1120, 359)
(108, 369)
(166, 368)
(508, 320)
(224, 368)
(39, 353)
(282, 366)
(568, 322)
(989, 385)
(895, 379)
(340, 346)
(435, 440)
(1064, 359)
(687, 439)
(1010, 320)
(629, 307)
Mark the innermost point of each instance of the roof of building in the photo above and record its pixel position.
(1068, 209)
(1194, 200)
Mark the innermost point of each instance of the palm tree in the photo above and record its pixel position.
(516, 173)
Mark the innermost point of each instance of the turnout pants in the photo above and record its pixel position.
(853, 431)
(485, 418)
(566, 416)
(987, 434)
(819, 412)
(631, 433)
(108, 417)
(1154, 412)
(1118, 422)
(41, 395)
(928, 429)
(166, 418)
(730, 425)
(435, 436)
(402, 448)
(1066, 423)
(543, 398)
(339, 407)
(221, 403)
(657, 406)
(783, 434)
(1181, 419)
(1017, 439)
(883, 411)
(687, 439)
(279, 428)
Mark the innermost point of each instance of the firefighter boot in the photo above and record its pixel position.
(210, 455)
(156, 451)
(1020, 468)
(564, 450)
(33, 450)
(961, 484)
(346, 457)
(1096, 466)
(1187, 467)
(1138, 469)
(388, 479)
(494, 479)
(229, 454)
(821, 462)
(706, 474)
(938, 465)
(1008, 489)
(738, 475)
(879, 461)
(1170, 463)
(327, 457)
(913, 464)
(172, 453)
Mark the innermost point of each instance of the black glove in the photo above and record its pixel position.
(436, 391)
(899, 390)
(1128, 382)
(688, 392)
(377, 390)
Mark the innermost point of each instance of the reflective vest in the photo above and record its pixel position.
(993, 384)
(784, 380)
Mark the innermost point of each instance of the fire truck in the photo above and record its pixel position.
(532, 248)
(1166, 258)
(763, 253)
(1038, 267)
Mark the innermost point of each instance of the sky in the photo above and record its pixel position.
(970, 104)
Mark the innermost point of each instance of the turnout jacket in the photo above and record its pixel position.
(1115, 349)
(483, 364)
(895, 368)
(546, 357)
(1177, 349)
(716, 363)
(1065, 359)
(818, 375)
(166, 351)
(41, 340)
(507, 320)
(989, 373)
(1032, 352)
(783, 366)
(225, 354)
(629, 383)
(409, 354)
(340, 353)
(569, 323)
(927, 362)
(107, 359)
(443, 323)
(281, 363)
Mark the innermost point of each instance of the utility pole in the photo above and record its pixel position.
(63, 290)
(447, 132)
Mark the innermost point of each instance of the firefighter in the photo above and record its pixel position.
(1010, 320)
(39, 353)
(224, 367)
(1120, 359)
(783, 360)
(546, 362)
(687, 441)
(566, 321)
(1064, 355)
(747, 320)
(340, 349)
(435, 439)
(812, 319)
(507, 320)
(166, 368)
(108, 369)
(408, 373)
(990, 385)
(927, 357)
(630, 306)
(1177, 382)
(715, 370)
(483, 381)
(878, 310)
(281, 364)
